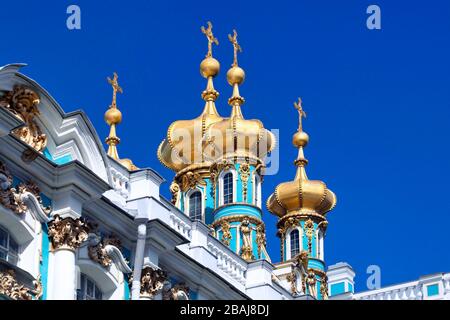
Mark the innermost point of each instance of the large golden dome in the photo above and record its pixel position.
(235, 136)
(182, 149)
(301, 195)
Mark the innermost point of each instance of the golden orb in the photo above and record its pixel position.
(113, 116)
(300, 139)
(235, 75)
(209, 67)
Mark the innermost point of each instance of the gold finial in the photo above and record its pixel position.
(113, 117)
(236, 46)
(211, 39)
(301, 113)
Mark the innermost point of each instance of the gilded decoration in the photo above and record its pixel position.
(177, 292)
(324, 287)
(226, 234)
(16, 291)
(292, 279)
(190, 180)
(98, 252)
(308, 229)
(152, 281)
(23, 103)
(67, 233)
(13, 198)
(244, 171)
(261, 238)
(246, 250)
(175, 192)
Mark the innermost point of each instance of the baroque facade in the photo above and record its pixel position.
(79, 222)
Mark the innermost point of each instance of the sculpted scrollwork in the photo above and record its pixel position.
(67, 233)
(98, 252)
(18, 198)
(23, 103)
(16, 291)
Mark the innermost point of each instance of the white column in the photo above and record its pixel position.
(64, 275)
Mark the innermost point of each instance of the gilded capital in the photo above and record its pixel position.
(67, 233)
(152, 281)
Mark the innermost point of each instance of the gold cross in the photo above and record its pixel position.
(211, 39)
(301, 112)
(116, 88)
(236, 46)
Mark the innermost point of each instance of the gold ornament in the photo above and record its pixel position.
(244, 171)
(226, 234)
(308, 229)
(67, 233)
(23, 103)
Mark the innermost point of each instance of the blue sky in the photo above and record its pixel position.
(377, 101)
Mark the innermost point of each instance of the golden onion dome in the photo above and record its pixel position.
(301, 195)
(182, 148)
(236, 136)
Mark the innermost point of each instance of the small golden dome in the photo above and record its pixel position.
(236, 75)
(209, 67)
(113, 116)
(300, 139)
(301, 195)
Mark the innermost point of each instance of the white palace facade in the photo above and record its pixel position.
(79, 222)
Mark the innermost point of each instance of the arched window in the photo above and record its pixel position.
(195, 205)
(295, 243)
(228, 188)
(9, 249)
(88, 289)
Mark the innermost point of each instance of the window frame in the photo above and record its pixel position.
(288, 242)
(85, 280)
(221, 186)
(188, 204)
(10, 253)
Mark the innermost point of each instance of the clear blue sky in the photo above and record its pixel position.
(377, 101)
